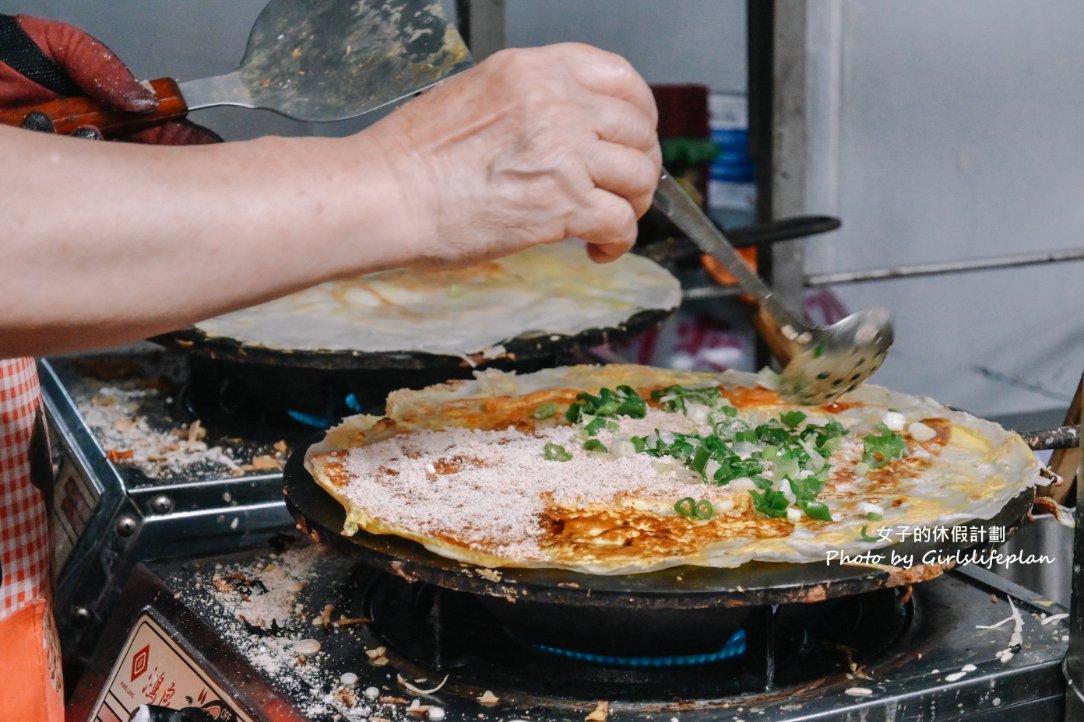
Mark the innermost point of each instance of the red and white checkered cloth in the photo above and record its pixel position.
(24, 524)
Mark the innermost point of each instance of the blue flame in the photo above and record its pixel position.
(734, 647)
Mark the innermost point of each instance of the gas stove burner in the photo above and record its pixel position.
(324, 422)
(734, 647)
(264, 400)
(254, 400)
(541, 650)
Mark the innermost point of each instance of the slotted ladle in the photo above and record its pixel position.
(821, 363)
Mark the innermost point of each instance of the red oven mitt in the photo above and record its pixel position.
(42, 60)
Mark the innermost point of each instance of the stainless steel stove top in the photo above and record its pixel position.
(138, 479)
(298, 635)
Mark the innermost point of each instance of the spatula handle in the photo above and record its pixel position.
(67, 114)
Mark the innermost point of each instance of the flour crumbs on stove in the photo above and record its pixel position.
(260, 613)
(127, 436)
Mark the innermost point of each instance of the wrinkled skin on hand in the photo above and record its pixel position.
(532, 146)
(100, 74)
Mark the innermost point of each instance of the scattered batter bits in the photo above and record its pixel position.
(266, 609)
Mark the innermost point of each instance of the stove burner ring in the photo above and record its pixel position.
(537, 651)
(734, 648)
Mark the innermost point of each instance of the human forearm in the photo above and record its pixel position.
(109, 242)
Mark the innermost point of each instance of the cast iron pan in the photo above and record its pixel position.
(754, 583)
(192, 340)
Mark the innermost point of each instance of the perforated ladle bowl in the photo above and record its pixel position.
(822, 362)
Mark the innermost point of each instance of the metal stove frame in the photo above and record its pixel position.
(908, 685)
(128, 524)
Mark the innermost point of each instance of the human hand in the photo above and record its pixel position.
(531, 146)
(72, 62)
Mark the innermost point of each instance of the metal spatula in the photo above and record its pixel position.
(312, 60)
(823, 363)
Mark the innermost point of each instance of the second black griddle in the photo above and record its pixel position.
(517, 350)
(685, 587)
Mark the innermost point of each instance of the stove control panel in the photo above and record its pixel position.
(153, 671)
(75, 502)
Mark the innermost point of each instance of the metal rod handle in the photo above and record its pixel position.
(1059, 437)
(673, 202)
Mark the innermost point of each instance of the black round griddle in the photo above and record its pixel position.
(687, 587)
(518, 350)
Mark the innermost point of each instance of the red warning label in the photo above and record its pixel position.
(140, 662)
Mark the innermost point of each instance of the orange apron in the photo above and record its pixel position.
(31, 686)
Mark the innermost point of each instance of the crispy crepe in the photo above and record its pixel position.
(497, 471)
(552, 290)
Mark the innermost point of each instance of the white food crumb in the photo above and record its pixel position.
(894, 420)
(866, 507)
(307, 646)
(920, 432)
(371, 693)
(858, 691)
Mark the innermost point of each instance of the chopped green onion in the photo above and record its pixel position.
(595, 445)
(883, 448)
(622, 402)
(772, 433)
(816, 510)
(545, 411)
(792, 418)
(555, 452)
(748, 437)
(685, 506)
(692, 509)
(674, 398)
(797, 454)
(596, 425)
(867, 537)
(770, 503)
(874, 516)
(703, 509)
(787, 465)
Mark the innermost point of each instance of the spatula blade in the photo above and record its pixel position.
(325, 60)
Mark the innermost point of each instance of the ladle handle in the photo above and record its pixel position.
(673, 202)
(68, 114)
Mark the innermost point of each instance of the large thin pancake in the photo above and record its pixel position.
(542, 291)
(463, 468)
